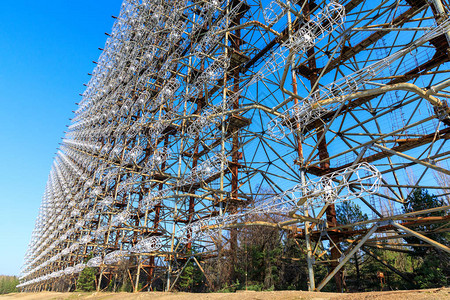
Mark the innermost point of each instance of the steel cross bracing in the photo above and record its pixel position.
(199, 114)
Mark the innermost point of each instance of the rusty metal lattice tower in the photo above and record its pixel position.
(196, 109)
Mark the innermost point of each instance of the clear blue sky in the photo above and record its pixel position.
(46, 51)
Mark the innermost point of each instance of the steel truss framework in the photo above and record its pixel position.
(197, 109)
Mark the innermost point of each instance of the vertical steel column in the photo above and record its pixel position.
(323, 154)
(235, 45)
(298, 137)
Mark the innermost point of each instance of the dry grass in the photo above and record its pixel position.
(442, 293)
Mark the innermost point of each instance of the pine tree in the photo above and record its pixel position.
(86, 280)
(434, 268)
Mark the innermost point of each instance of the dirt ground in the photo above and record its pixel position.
(442, 293)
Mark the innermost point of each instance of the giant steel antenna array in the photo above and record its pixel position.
(201, 113)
